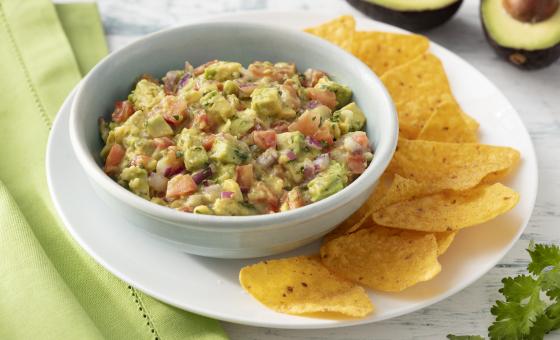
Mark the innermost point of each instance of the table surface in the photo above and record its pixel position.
(536, 96)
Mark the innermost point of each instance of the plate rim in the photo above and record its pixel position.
(337, 324)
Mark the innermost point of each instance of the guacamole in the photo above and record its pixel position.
(221, 139)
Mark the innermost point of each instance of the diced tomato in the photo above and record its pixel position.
(362, 139)
(163, 142)
(308, 123)
(265, 139)
(356, 163)
(170, 165)
(179, 186)
(114, 158)
(295, 199)
(323, 96)
(244, 176)
(283, 71)
(312, 77)
(123, 110)
(280, 126)
(208, 142)
(141, 160)
(177, 110)
(258, 69)
(324, 135)
(202, 122)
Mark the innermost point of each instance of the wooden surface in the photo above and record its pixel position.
(536, 96)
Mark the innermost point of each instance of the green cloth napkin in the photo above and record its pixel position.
(49, 287)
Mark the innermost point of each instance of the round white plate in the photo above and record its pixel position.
(210, 286)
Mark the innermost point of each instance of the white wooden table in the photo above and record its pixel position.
(536, 95)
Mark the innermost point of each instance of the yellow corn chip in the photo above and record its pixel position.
(417, 88)
(452, 166)
(382, 51)
(339, 31)
(301, 285)
(383, 258)
(449, 211)
(444, 240)
(448, 125)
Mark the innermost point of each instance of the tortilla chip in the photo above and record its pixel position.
(417, 88)
(449, 165)
(448, 125)
(339, 31)
(444, 240)
(382, 51)
(302, 285)
(449, 211)
(383, 258)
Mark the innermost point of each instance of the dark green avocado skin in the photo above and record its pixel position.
(410, 20)
(523, 59)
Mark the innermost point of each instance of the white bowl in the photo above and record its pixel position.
(230, 236)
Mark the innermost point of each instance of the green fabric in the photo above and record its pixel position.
(49, 287)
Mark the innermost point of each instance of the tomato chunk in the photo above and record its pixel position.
(179, 186)
(308, 123)
(114, 158)
(356, 163)
(123, 110)
(324, 135)
(265, 139)
(361, 138)
(323, 96)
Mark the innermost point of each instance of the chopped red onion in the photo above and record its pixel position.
(184, 80)
(312, 104)
(309, 171)
(226, 194)
(268, 157)
(321, 162)
(201, 175)
(291, 155)
(313, 143)
(157, 182)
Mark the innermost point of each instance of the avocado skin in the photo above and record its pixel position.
(523, 59)
(410, 20)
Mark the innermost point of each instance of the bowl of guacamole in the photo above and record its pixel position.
(233, 140)
(224, 139)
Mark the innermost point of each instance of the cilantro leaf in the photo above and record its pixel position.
(518, 288)
(551, 283)
(514, 319)
(464, 337)
(542, 256)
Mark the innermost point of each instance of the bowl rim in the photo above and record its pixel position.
(382, 154)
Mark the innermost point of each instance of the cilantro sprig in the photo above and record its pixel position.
(531, 305)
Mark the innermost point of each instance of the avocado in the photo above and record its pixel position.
(227, 149)
(349, 118)
(146, 95)
(266, 101)
(217, 106)
(414, 15)
(158, 127)
(195, 157)
(342, 92)
(527, 33)
(223, 70)
(328, 182)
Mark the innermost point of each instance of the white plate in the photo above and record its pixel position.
(210, 286)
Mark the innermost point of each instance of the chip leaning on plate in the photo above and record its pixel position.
(440, 181)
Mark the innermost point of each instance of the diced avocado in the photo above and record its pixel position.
(275, 184)
(158, 127)
(328, 182)
(289, 141)
(225, 172)
(266, 101)
(232, 186)
(195, 157)
(295, 171)
(229, 207)
(334, 128)
(227, 149)
(203, 210)
(243, 122)
(349, 118)
(190, 96)
(342, 92)
(217, 106)
(146, 95)
(230, 87)
(223, 70)
(188, 138)
(137, 180)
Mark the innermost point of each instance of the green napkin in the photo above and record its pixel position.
(49, 287)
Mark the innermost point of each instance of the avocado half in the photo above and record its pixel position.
(414, 15)
(526, 44)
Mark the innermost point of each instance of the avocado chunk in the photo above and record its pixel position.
(528, 45)
(223, 70)
(342, 92)
(137, 180)
(195, 157)
(231, 207)
(243, 122)
(217, 106)
(227, 149)
(414, 15)
(146, 95)
(158, 127)
(328, 182)
(266, 102)
(349, 118)
(289, 142)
